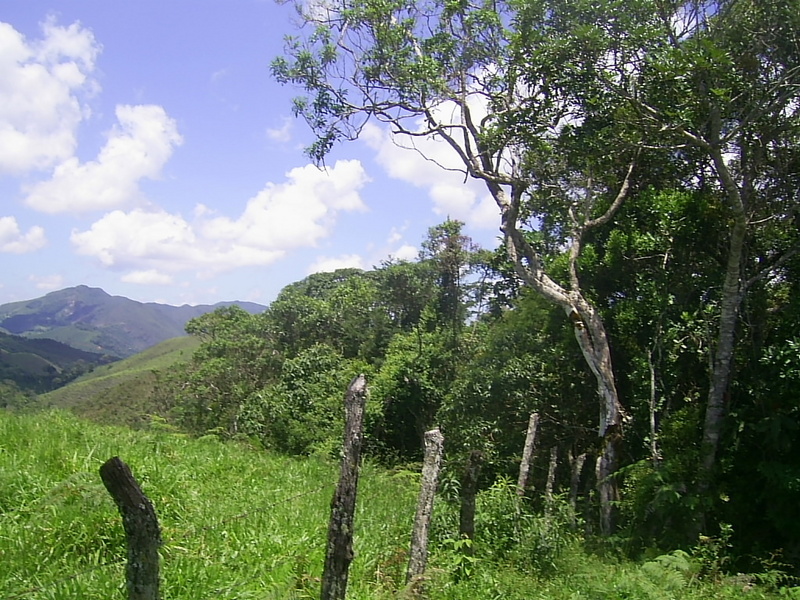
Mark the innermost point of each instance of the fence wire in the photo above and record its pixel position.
(192, 532)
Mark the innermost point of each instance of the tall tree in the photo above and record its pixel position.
(447, 69)
(718, 84)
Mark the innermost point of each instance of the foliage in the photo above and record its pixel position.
(239, 522)
(302, 411)
(41, 365)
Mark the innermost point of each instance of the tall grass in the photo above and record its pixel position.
(237, 522)
(241, 523)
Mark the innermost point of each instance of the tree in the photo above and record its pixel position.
(717, 84)
(236, 358)
(421, 364)
(448, 70)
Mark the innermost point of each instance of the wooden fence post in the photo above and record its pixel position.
(141, 528)
(418, 557)
(551, 481)
(469, 490)
(527, 454)
(339, 552)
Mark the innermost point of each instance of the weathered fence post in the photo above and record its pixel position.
(418, 557)
(468, 492)
(527, 454)
(576, 465)
(551, 481)
(339, 552)
(141, 529)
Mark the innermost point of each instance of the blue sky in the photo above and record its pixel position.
(145, 149)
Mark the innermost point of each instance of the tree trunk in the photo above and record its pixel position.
(418, 556)
(722, 361)
(589, 331)
(527, 454)
(591, 336)
(607, 488)
(655, 452)
(576, 465)
(551, 481)
(141, 529)
(339, 552)
(732, 293)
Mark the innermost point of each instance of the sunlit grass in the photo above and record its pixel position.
(241, 523)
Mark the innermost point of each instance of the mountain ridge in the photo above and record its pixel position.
(92, 320)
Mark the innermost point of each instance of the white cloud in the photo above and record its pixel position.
(282, 133)
(328, 264)
(47, 282)
(406, 252)
(300, 212)
(148, 277)
(41, 82)
(395, 235)
(12, 239)
(433, 165)
(297, 213)
(137, 148)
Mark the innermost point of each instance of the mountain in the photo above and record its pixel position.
(41, 365)
(90, 319)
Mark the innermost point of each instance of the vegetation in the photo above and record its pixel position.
(89, 319)
(644, 157)
(242, 523)
(36, 366)
(122, 393)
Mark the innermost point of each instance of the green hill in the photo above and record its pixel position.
(121, 392)
(92, 320)
(42, 365)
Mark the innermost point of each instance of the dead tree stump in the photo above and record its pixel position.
(339, 552)
(434, 443)
(141, 529)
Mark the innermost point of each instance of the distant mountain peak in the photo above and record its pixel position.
(90, 319)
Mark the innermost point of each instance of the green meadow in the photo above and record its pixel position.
(238, 522)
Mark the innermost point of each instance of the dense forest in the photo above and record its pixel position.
(455, 340)
(643, 309)
(644, 160)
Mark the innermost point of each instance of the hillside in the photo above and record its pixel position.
(40, 365)
(120, 393)
(92, 320)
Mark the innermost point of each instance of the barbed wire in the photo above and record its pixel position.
(186, 535)
(192, 531)
(63, 579)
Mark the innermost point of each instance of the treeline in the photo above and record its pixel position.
(455, 340)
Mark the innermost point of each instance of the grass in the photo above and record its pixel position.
(240, 523)
(119, 393)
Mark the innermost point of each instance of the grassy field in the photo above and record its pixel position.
(240, 523)
(119, 393)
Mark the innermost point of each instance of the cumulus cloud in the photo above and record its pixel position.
(148, 277)
(297, 213)
(150, 245)
(41, 84)
(282, 133)
(47, 282)
(328, 264)
(406, 252)
(432, 165)
(13, 241)
(137, 148)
